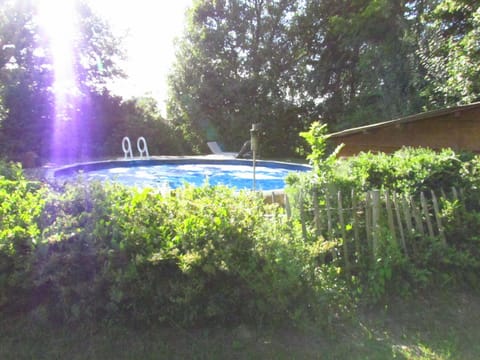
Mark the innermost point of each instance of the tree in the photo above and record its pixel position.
(359, 61)
(141, 117)
(235, 67)
(286, 63)
(27, 74)
(451, 52)
(25, 79)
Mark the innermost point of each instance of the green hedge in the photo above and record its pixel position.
(200, 256)
(21, 204)
(408, 171)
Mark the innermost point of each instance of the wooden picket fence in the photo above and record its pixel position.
(364, 222)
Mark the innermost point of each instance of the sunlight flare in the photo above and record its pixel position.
(57, 20)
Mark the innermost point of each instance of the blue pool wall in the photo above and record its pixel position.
(109, 164)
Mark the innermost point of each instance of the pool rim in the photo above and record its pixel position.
(75, 168)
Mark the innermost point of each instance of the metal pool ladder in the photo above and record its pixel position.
(141, 146)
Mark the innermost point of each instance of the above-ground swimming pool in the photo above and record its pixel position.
(174, 173)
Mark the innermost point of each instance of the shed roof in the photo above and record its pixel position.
(407, 119)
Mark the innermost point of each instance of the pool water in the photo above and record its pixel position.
(175, 175)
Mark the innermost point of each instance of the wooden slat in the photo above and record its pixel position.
(316, 213)
(416, 217)
(438, 217)
(399, 223)
(288, 208)
(375, 220)
(391, 225)
(368, 220)
(408, 216)
(426, 213)
(329, 216)
(356, 231)
(302, 215)
(344, 232)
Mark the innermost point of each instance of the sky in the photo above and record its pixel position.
(152, 26)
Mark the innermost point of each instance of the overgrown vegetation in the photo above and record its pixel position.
(92, 251)
(201, 256)
(426, 261)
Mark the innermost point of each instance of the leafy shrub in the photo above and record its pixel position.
(21, 203)
(209, 255)
(200, 256)
(212, 255)
(409, 172)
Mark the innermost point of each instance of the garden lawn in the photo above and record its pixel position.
(440, 326)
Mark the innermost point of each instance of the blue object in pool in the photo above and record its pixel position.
(174, 173)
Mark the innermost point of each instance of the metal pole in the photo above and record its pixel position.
(254, 147)
(254, 170)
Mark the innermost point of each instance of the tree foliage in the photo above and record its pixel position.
(234, 68)
(27, 75)
(287, 63)
(451, 53)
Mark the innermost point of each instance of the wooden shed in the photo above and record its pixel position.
(456, 127)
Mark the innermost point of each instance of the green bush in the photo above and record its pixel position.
(199, 256)
(209, 255)
(21, 203)
(407, 172)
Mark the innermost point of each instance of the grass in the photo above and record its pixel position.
(440, 326)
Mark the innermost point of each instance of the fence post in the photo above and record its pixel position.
(316, 213)
(355, 223)
(416, 217)
(436, 210)
(423, 201)
(375, 220)
(368, 220)
(408, 216)
(400, 224)
(391, 225)
(302, 216)
(329, 215)
(344, 232)
(288, 209)
(455, 193)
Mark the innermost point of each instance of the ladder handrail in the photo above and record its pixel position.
(141, 146)
(144, 148)
(127, 147)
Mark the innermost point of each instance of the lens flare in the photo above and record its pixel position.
(57, 19)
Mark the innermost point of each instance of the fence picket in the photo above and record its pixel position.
(399, 222)
(416, 216)
(316, 214)
(355, 223)
(455, 193)
(426, 213)
(302, 216)
(405, 219)
(288, 209)
(344, 232)
(436, 210)
(368, 220)
(375, 220)
(408, 216)
(442, 193)
(329, 216)
(391, 225)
